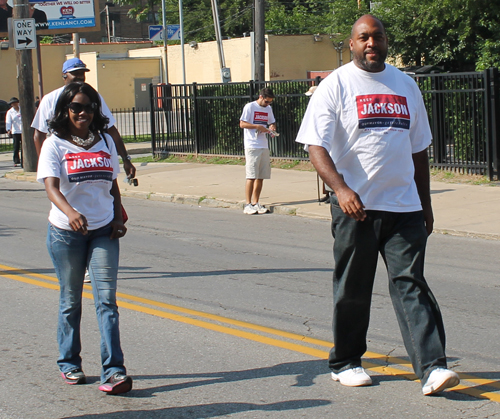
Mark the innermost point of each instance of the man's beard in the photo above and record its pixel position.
(366, 65)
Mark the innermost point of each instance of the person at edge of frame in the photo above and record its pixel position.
(14, 127)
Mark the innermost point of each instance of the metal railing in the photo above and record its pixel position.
(463, 111)
(6, 143)
(204, 118)
(463, 115)
(133, 124)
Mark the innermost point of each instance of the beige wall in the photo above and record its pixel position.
(290, 57)
(53, 57)
(202, 63)
(287, 58)
(121, 74)
(113, 67)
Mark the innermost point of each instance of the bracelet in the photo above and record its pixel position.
(128, 157)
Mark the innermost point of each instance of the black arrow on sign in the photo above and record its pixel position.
(26, 41)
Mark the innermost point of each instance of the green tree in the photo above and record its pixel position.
(235, 16)
(299, 17)
(459, 35)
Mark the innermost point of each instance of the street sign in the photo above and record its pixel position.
(24, 33)
(155, 32)
(174, 32)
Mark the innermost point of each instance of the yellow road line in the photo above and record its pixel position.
(14, 274)
(184, 310)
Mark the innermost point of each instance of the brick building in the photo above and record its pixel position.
(122, 28)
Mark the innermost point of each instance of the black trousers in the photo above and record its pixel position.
(401, 240)
(17, 148)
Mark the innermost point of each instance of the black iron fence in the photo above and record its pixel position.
(6, 143)
(204, 118)
(133, 124)
(463, 111)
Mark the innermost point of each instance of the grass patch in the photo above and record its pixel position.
(239, 161)
(6, 147)
(285, 164)
(305, 165)
(137, 139)
(456, 177)
(190, 158)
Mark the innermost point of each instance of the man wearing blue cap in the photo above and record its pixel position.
(73, 70)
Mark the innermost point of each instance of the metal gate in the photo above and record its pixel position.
(463, 112)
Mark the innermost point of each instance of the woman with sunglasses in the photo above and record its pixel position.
(79, 165)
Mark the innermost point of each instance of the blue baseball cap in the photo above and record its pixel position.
(74, 64)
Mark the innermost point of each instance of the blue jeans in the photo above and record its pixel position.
(401, 240)
(71, 254)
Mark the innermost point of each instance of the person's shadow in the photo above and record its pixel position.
(304, 371)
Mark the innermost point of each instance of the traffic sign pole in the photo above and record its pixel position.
(164, 21)
(24, 62)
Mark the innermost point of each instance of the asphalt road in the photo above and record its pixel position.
(225, 315)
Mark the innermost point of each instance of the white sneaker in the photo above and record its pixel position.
(354, 377)
(439, 379)
(249, 209)
(86, 278)
(261, 209)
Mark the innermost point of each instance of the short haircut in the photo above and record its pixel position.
(363, 18)
(266, 92)
(60, 121)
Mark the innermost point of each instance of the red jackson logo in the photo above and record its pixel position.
(89, 166)
(383, 111)
(260, 118)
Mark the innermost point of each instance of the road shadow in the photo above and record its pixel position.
(126, 272)
(211, 410)
(305, 373)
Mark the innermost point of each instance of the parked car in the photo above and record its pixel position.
(4, 107)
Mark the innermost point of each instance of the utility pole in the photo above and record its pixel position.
(260, 41)
(108, 28)
(24, 63)
(224, 72)
(76, 45)
(164, 52)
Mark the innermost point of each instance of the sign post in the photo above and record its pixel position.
(24, 35)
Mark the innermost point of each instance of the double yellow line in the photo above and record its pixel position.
(294, 342)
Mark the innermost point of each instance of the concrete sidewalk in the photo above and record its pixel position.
(461, 209)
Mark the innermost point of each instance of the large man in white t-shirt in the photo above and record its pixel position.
(367, 133)
(257, 120)
(74, 69)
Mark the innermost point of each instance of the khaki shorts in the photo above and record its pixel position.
(258, 163)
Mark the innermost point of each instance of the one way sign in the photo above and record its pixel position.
(24, 33)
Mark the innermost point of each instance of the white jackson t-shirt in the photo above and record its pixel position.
(253, 113)
(47, 108)
(371, 124)
(85, 176)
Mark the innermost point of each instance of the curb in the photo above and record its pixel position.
(20, 175)
(213, 202)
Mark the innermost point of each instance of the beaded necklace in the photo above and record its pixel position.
(83, 142)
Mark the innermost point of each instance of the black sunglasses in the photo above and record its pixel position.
(76, 107)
